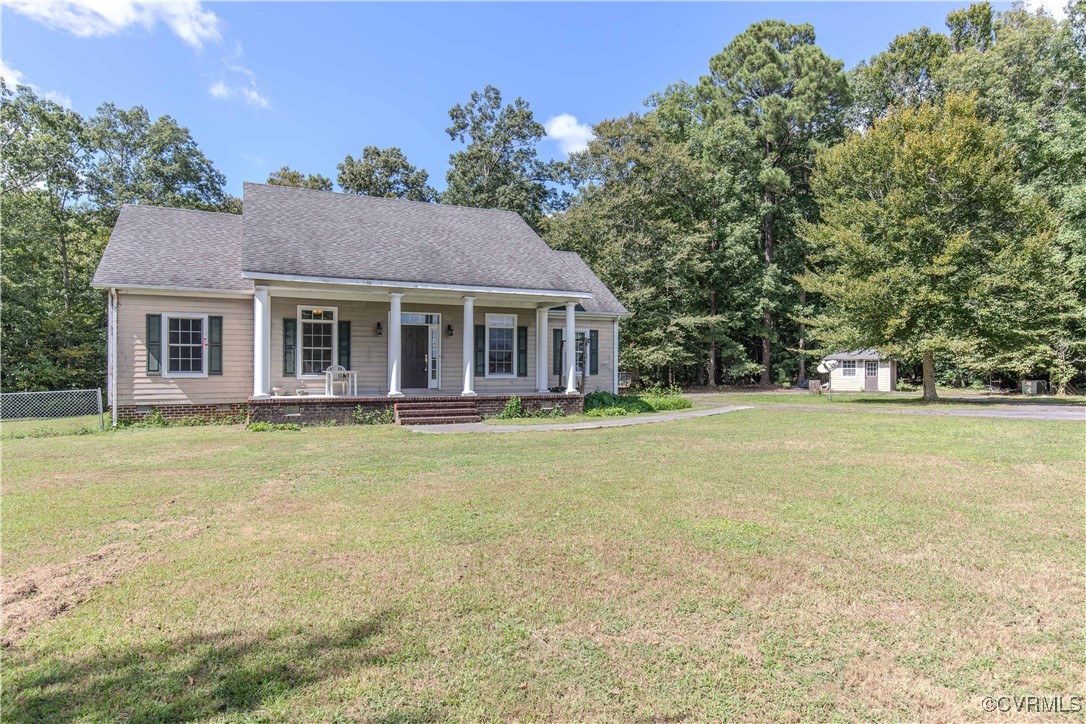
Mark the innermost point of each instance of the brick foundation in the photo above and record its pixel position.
(137, 413)
(315, 410)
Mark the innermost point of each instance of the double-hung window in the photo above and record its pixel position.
(186, 344)
(501, 330)
(318, 339)
(582, 350)
(848, 368)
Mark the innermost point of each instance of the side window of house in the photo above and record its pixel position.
(848, 368)
(184, 344)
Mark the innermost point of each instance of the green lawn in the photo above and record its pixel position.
(759, 565)
(12, 429)
(947, 398)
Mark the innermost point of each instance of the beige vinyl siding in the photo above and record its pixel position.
(605, 326)
(885, 377)
(856, 384)
(369, 353)
(840, 383)
(135, 387)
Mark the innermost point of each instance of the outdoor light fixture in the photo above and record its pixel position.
(448, 330)
(380, 329)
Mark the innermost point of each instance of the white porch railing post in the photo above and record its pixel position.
(571, 349)
(261, 343)
(469, 346)
(394, 350)
(541, 334)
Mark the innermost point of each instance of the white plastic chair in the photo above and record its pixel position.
(339, 376)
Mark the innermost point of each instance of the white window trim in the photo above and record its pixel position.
(298, 341)
(870, 362)
(847, 371)
(587, 353)
(164, 335)
(486, 349)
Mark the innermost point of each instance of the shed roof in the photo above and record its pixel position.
(863, 354)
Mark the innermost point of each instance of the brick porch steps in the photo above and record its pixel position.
(437, 412)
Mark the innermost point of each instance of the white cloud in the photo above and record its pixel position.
(13, 77)
(249, 94)
(571, 135)
(1055, 8)
(188, 19)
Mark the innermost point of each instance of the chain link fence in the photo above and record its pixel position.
(76, 406)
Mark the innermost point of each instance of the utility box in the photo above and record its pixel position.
(814, 386)
(1034, 387)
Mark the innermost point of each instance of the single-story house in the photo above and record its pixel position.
(442, 312)
(862, 371)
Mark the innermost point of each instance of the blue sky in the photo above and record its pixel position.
(303, 84)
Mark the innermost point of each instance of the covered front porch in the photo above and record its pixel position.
(419, 342)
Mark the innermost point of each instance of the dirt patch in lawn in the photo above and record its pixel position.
(43, 593)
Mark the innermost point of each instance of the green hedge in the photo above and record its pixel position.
(606, 404)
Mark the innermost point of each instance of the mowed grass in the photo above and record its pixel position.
(759, 565)
(48, 427)
(950, 398)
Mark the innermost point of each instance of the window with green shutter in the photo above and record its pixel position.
(290, 346)
(558, 353)
(214, 345)
(345, 344)
(154, 345)
(522, 351)
(593, 352)
(480, 350)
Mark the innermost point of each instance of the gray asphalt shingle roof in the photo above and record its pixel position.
(322, 234)
(602, 301)
(861, 354)
(300, 232)
(153, 246)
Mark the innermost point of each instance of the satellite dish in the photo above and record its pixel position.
(828, 366)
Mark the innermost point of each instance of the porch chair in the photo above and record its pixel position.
(339, 376)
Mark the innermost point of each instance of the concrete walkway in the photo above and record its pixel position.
(984, 407)
(1066, 413)
(486, 427)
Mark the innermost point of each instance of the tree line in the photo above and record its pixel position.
(930, 202)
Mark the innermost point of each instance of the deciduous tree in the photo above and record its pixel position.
(926, 248)
(385, 172)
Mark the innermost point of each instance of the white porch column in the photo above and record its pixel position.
(571, 349)
(394, 347)
(541, 334)
(261, 343)
(469, 346)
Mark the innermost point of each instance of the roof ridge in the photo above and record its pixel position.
(435, 204)
(179, 208)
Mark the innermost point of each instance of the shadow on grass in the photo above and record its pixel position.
(192, 677)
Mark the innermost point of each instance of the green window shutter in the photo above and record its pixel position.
(290, 343)
(154, 345)
(480, 350)
(558, 353)
(593, 351)
(522, 351)
(214, 345)
(345, 344)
